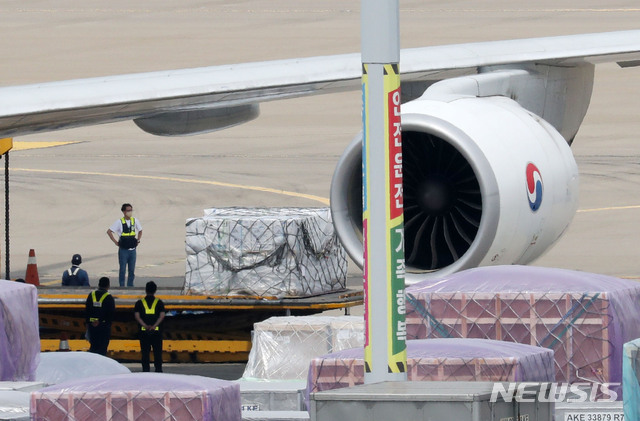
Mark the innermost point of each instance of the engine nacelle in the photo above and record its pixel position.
(486, 182)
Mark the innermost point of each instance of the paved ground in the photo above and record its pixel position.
(227, 371)
(63, 198)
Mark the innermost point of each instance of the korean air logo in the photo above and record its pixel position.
(534, 187)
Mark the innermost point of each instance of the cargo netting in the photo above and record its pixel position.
(140, 397)
(19, 334)
(583, 317)
(264, 252)
(441, 360)
(282, 347)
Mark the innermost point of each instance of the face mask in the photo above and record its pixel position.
(128, 214)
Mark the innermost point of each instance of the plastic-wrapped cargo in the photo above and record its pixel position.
(14, 405)
(19, 334)
(584, 318)
(282, 347)
(15, 399)
(59, 367)
(441, 360)
(264, 252)
(284, 395)
(139, 396)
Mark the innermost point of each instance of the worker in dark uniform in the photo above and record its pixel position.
(74, 276)
(100, 307)
(149, 313)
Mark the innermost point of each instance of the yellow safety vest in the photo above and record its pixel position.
(151, 310)
(128, 239)
(132, 229)
(148, 310)
(97, 303)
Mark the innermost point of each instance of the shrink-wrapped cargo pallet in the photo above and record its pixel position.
(14, 405)
(140, 396)
(19, 335)
(441, 360)
(265, 252)
(282, 347)
(58, 367)
(584, 318)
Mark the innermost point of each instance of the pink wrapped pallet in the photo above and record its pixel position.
(19, 334)
(441, 359)
(583, 317)
(139, 396)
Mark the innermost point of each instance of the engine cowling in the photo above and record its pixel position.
(486, 182)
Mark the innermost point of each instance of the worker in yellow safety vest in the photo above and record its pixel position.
(149, 313)
(99, 309)
(126, 234)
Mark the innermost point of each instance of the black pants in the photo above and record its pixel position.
(99, 337)
(148, 340)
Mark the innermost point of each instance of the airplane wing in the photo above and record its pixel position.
(203, 99)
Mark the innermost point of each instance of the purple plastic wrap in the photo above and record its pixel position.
(19, 335)
(139, 396)
(585, 318)
(441, 360)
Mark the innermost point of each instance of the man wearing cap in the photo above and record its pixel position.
(74, 276)
(100, 307)
(129, 232)
(149, 313)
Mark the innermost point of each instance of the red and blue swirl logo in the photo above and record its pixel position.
(534, 187)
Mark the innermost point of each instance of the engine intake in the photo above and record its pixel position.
(465, 169)
(442, 202)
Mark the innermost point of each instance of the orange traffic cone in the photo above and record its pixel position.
(31, 277)
(64, 343)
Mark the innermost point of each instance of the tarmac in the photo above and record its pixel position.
(223, 371)
(66, 187)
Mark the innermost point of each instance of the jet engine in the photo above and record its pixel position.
(486, 182)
